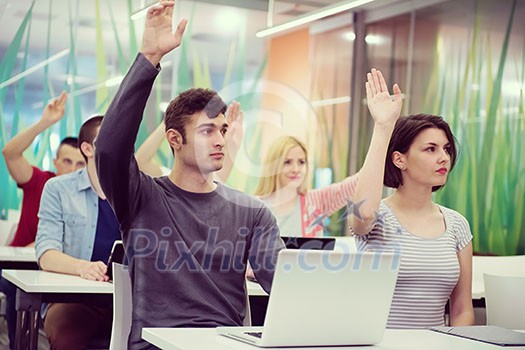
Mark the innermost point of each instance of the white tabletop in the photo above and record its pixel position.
(33, 281)
(17, 254)
(207, 338)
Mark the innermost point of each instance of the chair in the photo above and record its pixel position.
(513, 265)
(7, 231)
(122, 306)
(505, 301)
(248, 317)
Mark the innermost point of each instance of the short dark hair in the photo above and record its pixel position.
(88, 131)
(190, 102)
(405, 131)
(70, 141)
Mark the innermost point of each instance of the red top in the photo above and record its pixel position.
(27, 226)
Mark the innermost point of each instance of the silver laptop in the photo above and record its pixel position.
(325, 298)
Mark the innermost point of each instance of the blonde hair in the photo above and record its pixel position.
(274, 163)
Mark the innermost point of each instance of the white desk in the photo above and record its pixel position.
(31, 281)
(18, 258)
(207, 338)
(36, 287)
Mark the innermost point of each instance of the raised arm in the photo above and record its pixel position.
(116, 166)
(385, 112)
(234, 140)
(148, 149)
(18, 166)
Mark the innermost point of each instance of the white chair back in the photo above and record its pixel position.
(7, 231)
(505, 301)
(122, 307)
(513, 265)
(248, 317)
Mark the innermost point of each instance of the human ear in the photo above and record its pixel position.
(87, 149)
(399, 160)
(174, 139)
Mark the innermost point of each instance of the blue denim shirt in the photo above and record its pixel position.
(68, 216)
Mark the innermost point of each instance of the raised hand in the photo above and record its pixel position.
(234, 117)
(55, 110)
(158, 38)
(383, 108)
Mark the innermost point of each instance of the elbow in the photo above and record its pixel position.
(367, 215)
(360, 227)
(6, 152)
(43, 261)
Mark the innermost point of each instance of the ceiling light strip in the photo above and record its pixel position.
(34, 68)
(313, 16)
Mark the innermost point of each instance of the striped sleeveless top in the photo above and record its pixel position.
(429, 268)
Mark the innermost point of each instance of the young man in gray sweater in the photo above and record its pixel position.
(187, 238)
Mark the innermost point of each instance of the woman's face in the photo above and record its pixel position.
(427, 161)
(294, 168)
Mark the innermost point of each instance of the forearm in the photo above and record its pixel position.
(369, 188)
(19, 143)
(116, 165)
(147, 151)
(55, 261)
(333, 197)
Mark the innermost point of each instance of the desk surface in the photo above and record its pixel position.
(17, 254)
(207, 338)
(32, 281)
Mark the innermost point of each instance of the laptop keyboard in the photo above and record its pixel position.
(254, 334)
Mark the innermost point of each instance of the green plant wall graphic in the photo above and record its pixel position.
(190, 68)
(488, 183)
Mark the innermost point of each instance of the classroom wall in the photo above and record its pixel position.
(461, 59)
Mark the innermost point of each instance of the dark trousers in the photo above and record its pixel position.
(73, 326)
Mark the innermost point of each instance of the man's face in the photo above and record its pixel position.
(68, 160)
(205, 140)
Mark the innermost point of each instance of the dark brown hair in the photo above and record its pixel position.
(405, 131)
(88, 131)
(190, 102)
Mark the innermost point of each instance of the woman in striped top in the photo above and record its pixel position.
(283, 187)
(434, 241)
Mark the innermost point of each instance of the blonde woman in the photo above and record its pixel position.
(283, 187)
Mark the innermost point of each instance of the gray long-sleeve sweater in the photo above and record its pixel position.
(187, 251)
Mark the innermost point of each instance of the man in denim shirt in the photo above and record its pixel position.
(76, 231)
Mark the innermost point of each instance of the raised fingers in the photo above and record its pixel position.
(181, 28)
(375, 76)
(233, 111)
(397, 92)
(371, 85)
(368, 91)
(382, 82)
